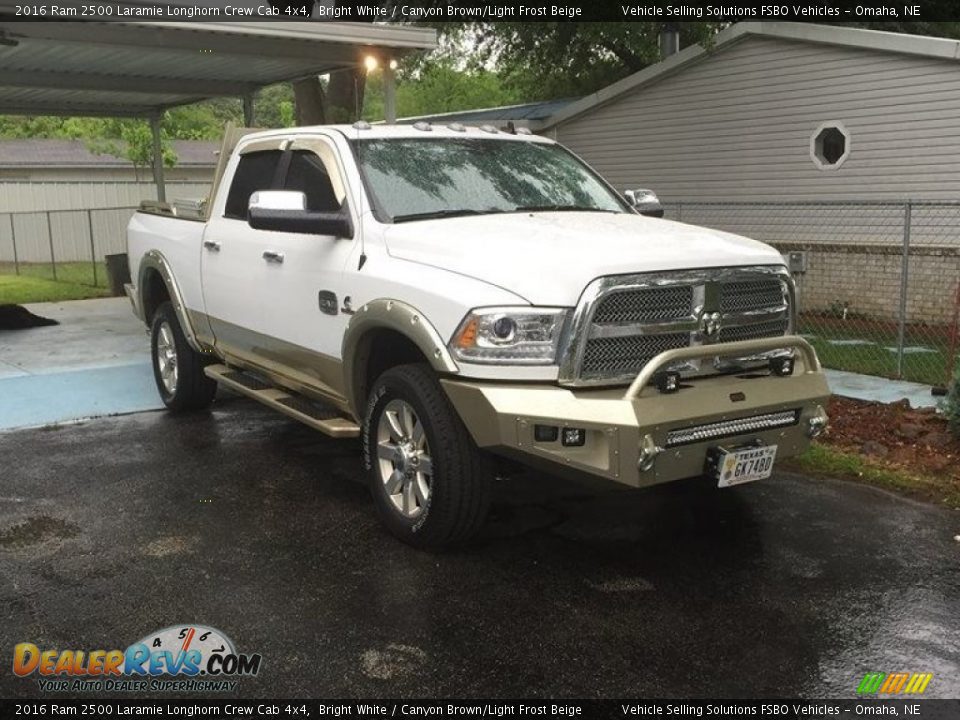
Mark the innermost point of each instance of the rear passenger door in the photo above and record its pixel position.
(231, 261)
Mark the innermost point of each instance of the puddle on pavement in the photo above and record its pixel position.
(36, 530)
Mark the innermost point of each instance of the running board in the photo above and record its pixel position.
(320, 417)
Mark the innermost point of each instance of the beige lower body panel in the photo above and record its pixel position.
(296, 368)
(501, 418)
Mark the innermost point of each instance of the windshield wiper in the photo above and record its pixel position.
(433, 214)
(559, 208)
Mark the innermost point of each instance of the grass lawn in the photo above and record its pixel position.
(76, 273)
(35, 283)
(826, 461)
(929, 368)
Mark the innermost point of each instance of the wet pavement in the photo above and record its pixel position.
(247, 522)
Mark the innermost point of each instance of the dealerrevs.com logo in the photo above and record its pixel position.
(185, 658)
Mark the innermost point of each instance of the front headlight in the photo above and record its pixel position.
(509, 336)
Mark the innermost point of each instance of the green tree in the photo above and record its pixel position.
(130, 139)
(437, 86)
(562, 59)
(273, 106)
(548, 60)
(126, 138)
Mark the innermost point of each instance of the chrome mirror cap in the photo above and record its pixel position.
(644, 202)
(278, 200)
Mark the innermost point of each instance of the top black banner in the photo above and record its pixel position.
(470, 10)
(231, 707)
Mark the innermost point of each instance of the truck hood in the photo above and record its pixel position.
(550, 257)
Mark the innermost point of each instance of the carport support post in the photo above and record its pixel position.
(248, 111)
(158, 159)
(904, 279)
(389, 94)
(93, 250)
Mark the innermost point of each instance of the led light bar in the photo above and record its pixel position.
(729, 428)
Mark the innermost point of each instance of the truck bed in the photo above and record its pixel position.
(179, 239)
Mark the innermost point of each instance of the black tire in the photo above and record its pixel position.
(459, 487)
(192, 389)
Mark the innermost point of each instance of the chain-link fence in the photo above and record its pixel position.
(878, 284)
(67, 246)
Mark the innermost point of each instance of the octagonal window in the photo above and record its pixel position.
(830, 145)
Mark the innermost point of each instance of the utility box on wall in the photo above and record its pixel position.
(796, 261)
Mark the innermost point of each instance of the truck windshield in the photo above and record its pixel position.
(418, 179)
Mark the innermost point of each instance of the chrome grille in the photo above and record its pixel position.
(622, 322)
(646, 305)
(745, 296)
(757, 330)
(627, 354)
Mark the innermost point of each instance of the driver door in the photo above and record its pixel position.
(301, 291)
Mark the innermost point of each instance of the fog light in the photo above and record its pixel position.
(817, 424)
(648, 453)
(574, 437)
(545, 433)
(668, 382)
(782, 366)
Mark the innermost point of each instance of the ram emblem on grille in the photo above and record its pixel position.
(710, 323)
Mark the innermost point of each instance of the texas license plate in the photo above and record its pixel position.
(742, 465)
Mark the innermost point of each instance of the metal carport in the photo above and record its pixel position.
(139, 69)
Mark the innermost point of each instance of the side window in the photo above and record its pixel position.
(255, 171)
(308, 174)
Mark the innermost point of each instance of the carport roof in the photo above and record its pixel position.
(123, 69)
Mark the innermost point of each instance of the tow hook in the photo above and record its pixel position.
(817, 423)
(648, 453)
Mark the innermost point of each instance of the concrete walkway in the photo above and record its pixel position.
(870, 387)
(97, 362)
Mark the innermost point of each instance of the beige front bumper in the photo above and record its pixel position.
(501, 417)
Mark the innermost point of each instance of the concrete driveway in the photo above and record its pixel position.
(244, 521)
(95, 362)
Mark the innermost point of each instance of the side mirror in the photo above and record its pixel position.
(285, 211)
(644, 202)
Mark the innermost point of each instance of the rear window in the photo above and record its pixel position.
(256, 171)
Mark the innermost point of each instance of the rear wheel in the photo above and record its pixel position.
(177, 367)
(429, 481)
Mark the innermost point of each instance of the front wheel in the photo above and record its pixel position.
(429, 481)
(177, 367)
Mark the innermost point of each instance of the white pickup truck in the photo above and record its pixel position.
(456, 296)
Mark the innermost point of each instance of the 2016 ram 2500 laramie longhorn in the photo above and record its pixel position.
(456, 295)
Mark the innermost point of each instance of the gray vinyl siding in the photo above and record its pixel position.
(736, 126)
(33, 197)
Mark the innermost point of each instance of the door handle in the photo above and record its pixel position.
(273, 256)
(211, 245)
